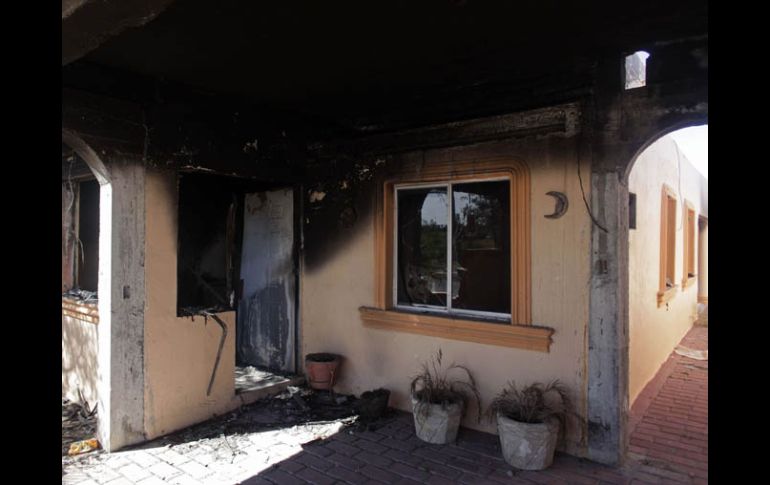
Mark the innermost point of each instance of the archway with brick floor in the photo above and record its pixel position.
(668, 423)
(667, 427)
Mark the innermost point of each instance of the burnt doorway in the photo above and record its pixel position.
(266, 320)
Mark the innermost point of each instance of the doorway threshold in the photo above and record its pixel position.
(252, 384)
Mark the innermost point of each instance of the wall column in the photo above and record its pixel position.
(121, 306)
(608, 321)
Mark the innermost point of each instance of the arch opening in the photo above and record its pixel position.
(667, 255)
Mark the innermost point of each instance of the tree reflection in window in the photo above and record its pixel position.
(480, 247)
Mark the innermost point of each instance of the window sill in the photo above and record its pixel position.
(686, 283)
(518, 336)
(665, 296)
(87, 312)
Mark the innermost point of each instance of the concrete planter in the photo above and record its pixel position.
(528, 446)
(435, 423)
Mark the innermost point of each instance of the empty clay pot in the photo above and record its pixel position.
(321, 370)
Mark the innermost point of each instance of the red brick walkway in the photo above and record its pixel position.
(669, 420)
(669, 444)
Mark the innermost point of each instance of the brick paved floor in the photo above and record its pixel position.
(669, 420)
(668, 445)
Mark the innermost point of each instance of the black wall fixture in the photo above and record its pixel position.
(562, 204)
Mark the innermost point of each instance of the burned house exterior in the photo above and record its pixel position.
(246, 184)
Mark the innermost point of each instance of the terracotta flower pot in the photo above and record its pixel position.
(528, 446)
(321, 370)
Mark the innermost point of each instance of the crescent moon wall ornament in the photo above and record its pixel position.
(562, 204)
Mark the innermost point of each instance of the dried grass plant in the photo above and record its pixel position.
(535, 403)
(436, 385)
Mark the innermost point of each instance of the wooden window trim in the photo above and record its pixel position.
(87, 312)
(665, 294)
(688, 259)
(519, 332)
(519, 336)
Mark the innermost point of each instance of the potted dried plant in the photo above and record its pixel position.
(528, 422)
(439, 400)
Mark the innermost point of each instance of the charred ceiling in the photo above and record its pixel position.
(378, 65)
(301, 92)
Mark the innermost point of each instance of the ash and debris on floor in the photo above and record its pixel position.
(287, 420)
(250, 377)
(78, 422)
(82, 296)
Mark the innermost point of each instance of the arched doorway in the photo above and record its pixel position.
(667, 287)
(86, 276)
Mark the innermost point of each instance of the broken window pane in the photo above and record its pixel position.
(423, 215)
(203, 265)
(481, 247)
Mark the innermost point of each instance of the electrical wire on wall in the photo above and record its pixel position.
(580, 179)
(72, 233)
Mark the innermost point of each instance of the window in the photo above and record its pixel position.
(80, 237)
(452, 252)
(453, 248)
(631, 210)
(636, 70)
(667, 246)
(688, 275)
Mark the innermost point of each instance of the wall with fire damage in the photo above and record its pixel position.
(338, 278)
(179, 352)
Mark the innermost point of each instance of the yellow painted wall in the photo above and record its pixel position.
(79, 352)
(179, 353)
(654, 331)
(332, 294)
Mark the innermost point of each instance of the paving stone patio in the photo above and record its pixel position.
(669, 444)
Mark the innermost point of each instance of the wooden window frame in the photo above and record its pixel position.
(688, 260)
(519, 332)
(667, 245)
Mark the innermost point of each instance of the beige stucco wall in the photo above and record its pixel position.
(654, 331)
(79, 351)
(179, 353)
(332, 294)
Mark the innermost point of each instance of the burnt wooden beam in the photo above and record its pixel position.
(561, 120)
(188, 135)
(87, 24)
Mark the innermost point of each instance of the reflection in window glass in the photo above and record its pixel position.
(480, 247)
(481, 255)
(423, 215)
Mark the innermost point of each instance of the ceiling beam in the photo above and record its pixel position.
(87, 24)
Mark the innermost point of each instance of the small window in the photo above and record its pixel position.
(689, 246)
(632, 211)
(667, 246)
(636, 70)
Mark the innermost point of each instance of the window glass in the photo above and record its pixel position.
(481, 247)
(477, 215)
(423, 216)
